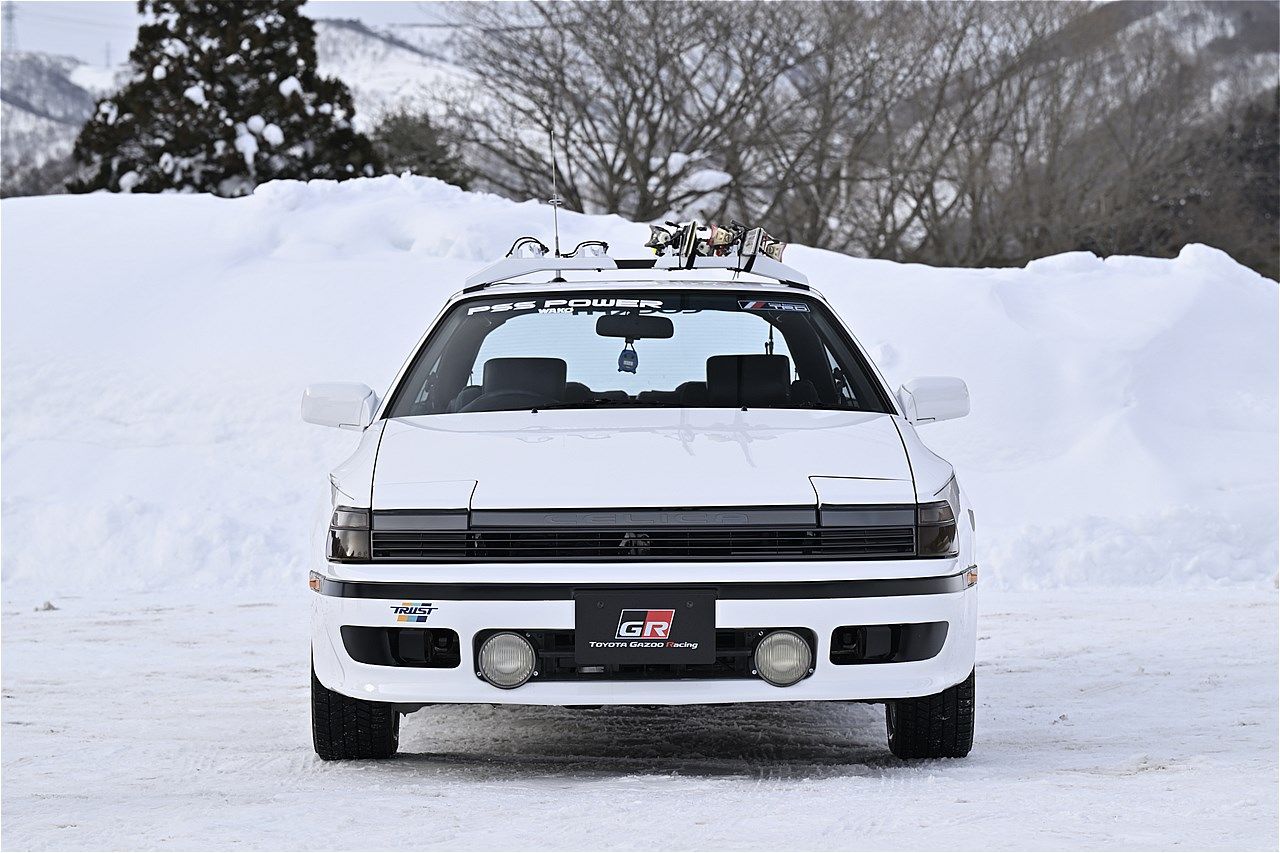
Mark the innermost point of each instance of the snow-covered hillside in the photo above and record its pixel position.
(45, 100)
(1124, 411)
(158, 484)
(386, 67)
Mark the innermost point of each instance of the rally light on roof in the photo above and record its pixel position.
(532, 247)
(689, 239)
(528, 247)
(676, 246)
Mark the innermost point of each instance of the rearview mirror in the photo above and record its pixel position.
(633, 327)
(934, 398)
(346, 405)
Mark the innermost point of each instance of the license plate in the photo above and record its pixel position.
(644, 626)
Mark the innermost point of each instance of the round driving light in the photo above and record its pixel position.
(506, 660)
(783, 658)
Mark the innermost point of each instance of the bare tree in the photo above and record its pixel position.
(824, 128)
(1024, 108)
(642, 99)
(938, 132)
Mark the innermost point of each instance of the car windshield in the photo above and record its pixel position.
(638, 349)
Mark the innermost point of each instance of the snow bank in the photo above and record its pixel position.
(155, 347)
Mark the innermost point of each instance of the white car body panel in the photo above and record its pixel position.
(638, 458)
(634, 458)
(863, 490)
(351, 483)
(402, 491)
(930, 471)
(339, 672)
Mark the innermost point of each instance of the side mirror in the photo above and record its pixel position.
(934, 398)
(347, 405)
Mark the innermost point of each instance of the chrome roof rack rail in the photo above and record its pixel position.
(759, 265)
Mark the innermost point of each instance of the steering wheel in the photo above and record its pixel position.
(507, 401)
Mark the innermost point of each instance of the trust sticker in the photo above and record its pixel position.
(413, 611)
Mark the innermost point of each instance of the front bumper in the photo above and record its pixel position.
(822, 610)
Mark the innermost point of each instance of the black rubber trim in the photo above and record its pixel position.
(747, 590)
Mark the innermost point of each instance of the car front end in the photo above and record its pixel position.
(771, 529)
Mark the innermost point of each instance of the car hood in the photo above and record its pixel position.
(580, 458)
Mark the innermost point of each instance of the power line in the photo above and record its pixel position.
(10, 27)
(64, 19)
(505, 28)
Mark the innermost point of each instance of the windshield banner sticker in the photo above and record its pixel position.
(767, 305)
(566, 306)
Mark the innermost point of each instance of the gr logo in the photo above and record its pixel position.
(645, 624)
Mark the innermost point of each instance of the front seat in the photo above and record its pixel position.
(517, 383)
(748, 380)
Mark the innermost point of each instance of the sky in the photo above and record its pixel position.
(103, 32)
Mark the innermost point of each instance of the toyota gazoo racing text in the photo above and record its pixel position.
(663, 487)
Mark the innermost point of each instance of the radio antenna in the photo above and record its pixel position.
(555, 201)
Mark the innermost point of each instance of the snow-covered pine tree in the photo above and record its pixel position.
(225, 96)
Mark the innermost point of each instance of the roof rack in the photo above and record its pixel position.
(760, 265)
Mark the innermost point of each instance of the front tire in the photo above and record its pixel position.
(937, 726)
(342, 727)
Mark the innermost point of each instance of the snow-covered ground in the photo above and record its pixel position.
(158, 485)
(1107, 719)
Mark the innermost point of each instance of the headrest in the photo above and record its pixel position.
(804, 391)
(466, 395)
(541, 376)
(576, 392)
(748, 380)
(692, 394)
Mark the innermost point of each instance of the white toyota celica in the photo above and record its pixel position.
(606, 492)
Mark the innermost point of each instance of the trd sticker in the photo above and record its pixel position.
(645, 624)
(767, 305)
(413, 611)
(565, 306)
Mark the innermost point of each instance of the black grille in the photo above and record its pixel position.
(493, 545)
